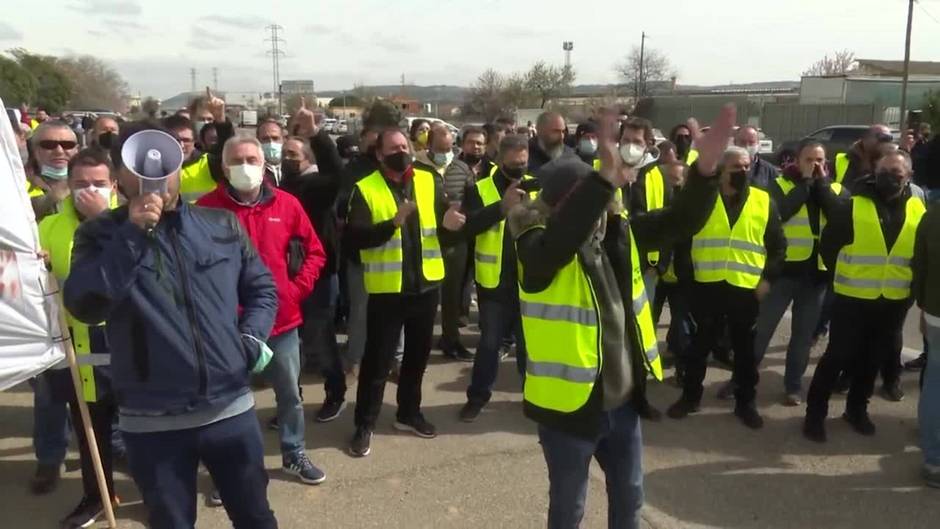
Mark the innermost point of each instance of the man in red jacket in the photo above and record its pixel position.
(287, 243)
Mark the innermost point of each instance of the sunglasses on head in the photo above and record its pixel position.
(50, 145)
(883, 138)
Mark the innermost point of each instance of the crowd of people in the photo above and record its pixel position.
(264, 247)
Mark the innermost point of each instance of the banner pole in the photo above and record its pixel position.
(83, 409)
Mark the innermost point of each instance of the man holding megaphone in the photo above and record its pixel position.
(189, 305)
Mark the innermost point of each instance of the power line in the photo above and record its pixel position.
(924, 9)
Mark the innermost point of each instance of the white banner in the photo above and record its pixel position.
(30, 341)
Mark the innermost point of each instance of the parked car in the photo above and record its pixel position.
(405, 124)
(835, 138)
(328, 124)
(341, 127)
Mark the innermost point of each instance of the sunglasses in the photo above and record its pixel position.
(884, 138)
(50, 145)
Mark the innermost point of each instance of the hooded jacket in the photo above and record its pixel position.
(547, 238)
(271, 223)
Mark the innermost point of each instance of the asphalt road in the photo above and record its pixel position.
(706, 471)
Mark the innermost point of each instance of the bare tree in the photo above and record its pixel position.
(637, 74)
(150, 107)
(487, 96)
(838, 64)
(548, 82)
(95, 84)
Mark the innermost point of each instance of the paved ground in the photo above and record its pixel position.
(707, 471)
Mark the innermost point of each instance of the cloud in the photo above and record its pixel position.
(206, 40)
(319, 29)
(8, 32)
(130, 25)
(97, 33)
(108, 7)
(238, 22)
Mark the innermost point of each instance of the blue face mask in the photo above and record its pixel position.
(442, 159)
(272, 152)
(55, 173)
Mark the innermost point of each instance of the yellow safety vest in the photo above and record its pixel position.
(383, 264)
(56, 234)
(691, 156)
(34, 190)
(735, 254)
(842, 166)
(618, 194)
(865, 269)
(196, 180)
(655, 199)
(488, 254)
(799, 232)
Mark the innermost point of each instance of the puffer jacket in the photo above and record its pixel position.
(179, 303)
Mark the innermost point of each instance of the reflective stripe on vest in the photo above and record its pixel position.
(382, 265)
(735, 254)
(797, 229)
(56, 233)
(562, 333)
(643, 316)
(865, 269)
(488, 253)
(655, 199)
(842, 166)
(196, 180)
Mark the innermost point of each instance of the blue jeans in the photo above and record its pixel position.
(50, 423)
(165, 466)
(320, 335)
(807, 298)
(618, 449)
(928, 411)
(497, 320)
(283, 373)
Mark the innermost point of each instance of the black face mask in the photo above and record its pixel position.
(399, 162)
(106, 140)
(290, 167)
(887, 184)
(682, 143)
(514, 173)
(472, 159)
(739, 180)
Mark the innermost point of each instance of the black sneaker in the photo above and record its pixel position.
(213, 499)
(459, 352)
(917, 364)
(932, 476)
(418, 426)
(892, 393)
(726, 391)
(330, 410)
(299, 465)
(470, 411)
(361, 444)
(814, 429)
(749, 416)
(682, 408)
(504, 351)
(46, 479)
(273, 424)
(860, 422)
(85, 514)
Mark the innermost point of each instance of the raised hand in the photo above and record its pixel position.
(305, 120)
(512, 197)
(405, 210)
(145, 210)
(215, 105)
(711, 145)
(613, 169)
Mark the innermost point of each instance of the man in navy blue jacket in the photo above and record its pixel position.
(189, 304)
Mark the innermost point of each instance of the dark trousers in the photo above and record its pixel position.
(454, 292)
(387, 314)
(102, 416)
(319, 336)
(862, 334)
(716, 306)
(497, 319)
(618, 449)
(165, 464)
(679, 335)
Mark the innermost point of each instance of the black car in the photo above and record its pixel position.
(835, 138)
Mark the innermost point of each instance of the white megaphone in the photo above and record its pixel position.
(152, 156)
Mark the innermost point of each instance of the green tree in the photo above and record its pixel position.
(17, 85)
(95, 84)
(53, 89)
(931, 109)
(382, 113)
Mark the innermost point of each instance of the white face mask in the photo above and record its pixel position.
(104, 191)
(632, 154)
(245, 177)
(753, 150)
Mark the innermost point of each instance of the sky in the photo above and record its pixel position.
(341, 43)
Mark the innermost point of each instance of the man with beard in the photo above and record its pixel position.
(549, 141)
